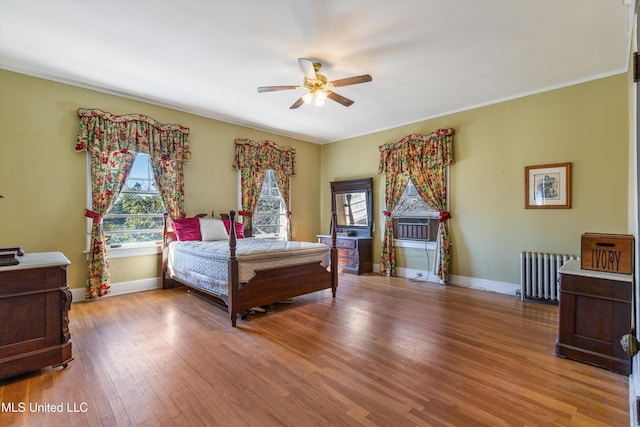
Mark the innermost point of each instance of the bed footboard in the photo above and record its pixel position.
(273, 285)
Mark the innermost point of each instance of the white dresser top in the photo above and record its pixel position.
(573, 267)
(38, 260)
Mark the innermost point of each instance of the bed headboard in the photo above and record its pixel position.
(248, 232)
(169, 235)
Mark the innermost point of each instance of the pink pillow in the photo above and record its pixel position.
(187, 228)
(239, 228)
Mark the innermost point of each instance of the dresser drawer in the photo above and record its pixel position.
(340, 243)
(346, 243)
(348, 262)
(32, 280)
(348, 253)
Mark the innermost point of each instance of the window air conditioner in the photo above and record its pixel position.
(416, 228)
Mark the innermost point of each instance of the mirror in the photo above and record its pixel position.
(351, 208)
(351, 201)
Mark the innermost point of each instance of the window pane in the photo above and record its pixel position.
(412, 204)
(137, 215)
(268, 205)
(268, 218)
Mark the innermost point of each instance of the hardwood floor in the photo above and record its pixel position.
(385, 352)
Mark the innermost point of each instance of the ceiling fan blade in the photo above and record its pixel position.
(298, 103)
(274, 88)
(307, 68)
(352, 80)
(339, 98)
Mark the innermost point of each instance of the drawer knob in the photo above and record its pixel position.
(629, 344)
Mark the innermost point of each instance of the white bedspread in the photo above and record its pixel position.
(205, 264)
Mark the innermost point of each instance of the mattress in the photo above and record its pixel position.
(205, 264)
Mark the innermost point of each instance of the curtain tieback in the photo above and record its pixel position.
(288, 214)
(244, 213)
(387, 213)
(95, 216)
(444, 215)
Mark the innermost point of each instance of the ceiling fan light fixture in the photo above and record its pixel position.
(307, 97)
(320, 96)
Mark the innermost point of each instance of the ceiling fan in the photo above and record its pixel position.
(318, 85)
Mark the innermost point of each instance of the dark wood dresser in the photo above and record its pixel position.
(34, 314)
(354, 253)
(595, 313)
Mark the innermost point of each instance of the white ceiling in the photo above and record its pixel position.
(427, 57)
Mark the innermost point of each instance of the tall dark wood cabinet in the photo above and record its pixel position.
(34, 314)
(595, 313)
(352, 203)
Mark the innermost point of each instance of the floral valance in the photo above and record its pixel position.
(101, 131)
(415, 152)
(260, 156)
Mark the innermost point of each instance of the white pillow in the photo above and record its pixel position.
(213, 229)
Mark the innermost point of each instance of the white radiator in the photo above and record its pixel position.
(539, 275)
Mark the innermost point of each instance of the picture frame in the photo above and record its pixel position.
(548, 186)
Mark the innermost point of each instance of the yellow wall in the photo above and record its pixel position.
(587, 125)
(584, 124)
(44, 179)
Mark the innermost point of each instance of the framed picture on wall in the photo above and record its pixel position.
(548, 186)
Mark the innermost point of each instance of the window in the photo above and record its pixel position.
(413, 219)
(269, 218)
(137, 215)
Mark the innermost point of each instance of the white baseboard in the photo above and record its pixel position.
(123, 288)
(485, 285)
(463, 281)
(417, 275)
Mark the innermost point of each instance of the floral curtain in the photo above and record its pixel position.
(108, 173)
(394, 187)
(423, 159)
(112, 143)
(250, 184)
(253, 159)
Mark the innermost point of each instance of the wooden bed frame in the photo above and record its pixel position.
(267, 286)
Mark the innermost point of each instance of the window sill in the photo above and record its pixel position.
(414, 244)
(270, 236)
(129, 251)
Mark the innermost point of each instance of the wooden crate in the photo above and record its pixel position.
(607, 252)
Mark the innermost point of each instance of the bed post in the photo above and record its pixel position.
(334, 254)
(233, 269)
(167, 283)
(165, 228)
